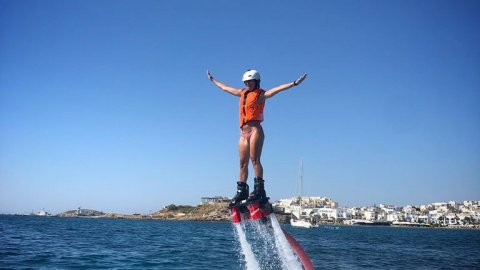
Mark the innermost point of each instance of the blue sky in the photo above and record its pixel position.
(106, 104)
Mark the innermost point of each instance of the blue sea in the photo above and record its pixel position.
(28, 242)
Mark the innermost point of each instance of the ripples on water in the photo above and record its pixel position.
(108, 243)
(393, 248)
(77, 243)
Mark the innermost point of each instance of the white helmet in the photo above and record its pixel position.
(251, 74)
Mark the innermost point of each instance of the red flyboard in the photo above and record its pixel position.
(256, 209)
(301, 254)
(235, 213)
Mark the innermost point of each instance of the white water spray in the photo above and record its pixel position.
(250, 260)
(271, 250)
(289, 261)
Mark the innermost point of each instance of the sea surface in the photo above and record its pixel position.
(29, 242)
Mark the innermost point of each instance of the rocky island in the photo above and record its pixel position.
(203, 212)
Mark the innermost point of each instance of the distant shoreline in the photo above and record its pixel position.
(316, 210)
(281, 217)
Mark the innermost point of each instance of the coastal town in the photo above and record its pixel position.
(316, 210)
(325, 210)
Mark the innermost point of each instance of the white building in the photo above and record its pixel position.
(326, 213)
(392, 215)
(451, 219)
(300, 212)
(433, 216)
(344, 213)
(371, 213)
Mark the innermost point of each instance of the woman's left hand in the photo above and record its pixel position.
(300, 80)
(210, 77)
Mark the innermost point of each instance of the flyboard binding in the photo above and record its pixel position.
(250, 209)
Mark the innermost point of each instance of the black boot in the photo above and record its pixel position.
(242, 193)
(259, 190)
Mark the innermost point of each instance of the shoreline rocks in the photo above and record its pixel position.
(204, 212)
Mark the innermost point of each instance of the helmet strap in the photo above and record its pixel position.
(257, 84)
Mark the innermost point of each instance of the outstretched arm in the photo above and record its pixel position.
(224, 87)
(272, 92)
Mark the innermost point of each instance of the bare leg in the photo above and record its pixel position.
(242, 187)
(256, 145)
(243, 151)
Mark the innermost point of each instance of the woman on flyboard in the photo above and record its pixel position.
(252, 103)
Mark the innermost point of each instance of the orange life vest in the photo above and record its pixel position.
(250, 108)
